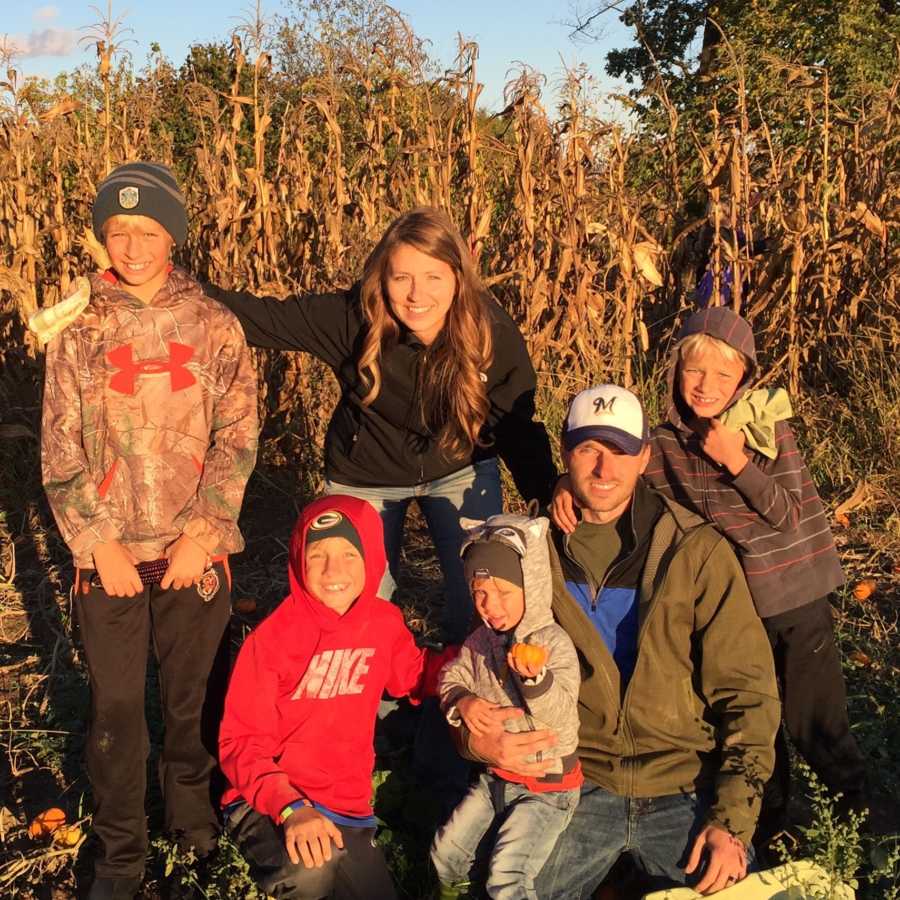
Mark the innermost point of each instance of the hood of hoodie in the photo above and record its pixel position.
(108, 290)
(718, 322)
(367, 523)
(528, 538)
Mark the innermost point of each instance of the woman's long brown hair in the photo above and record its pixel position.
(452, 390)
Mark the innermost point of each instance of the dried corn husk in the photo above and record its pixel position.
(644, 253)
(47, 323)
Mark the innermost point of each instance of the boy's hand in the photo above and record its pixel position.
(476, 713)
(115, 566)
(528, 664)
(724, 446)
(308, 836)
(187, 562)
(564, 506)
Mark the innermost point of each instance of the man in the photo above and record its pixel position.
(678, 703)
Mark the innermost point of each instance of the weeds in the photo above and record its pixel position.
(224, 876)
(837, 842)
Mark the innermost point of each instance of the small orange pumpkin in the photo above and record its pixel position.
(529, 655)
(864, 589)
(46, 822)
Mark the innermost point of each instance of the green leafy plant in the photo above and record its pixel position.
(836, 841)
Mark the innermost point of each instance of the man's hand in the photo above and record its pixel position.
(187, 562)
(476, 713)
(564, 506)
(507, 750)
(308, 836)
(723, 446)
(115, 566)
(726, 860)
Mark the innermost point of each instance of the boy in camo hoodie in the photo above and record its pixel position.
(507, 566)
(149, 435)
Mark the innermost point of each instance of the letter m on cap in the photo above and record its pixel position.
(602, 405)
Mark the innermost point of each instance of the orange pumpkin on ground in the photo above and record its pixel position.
(46, 822)
(529, 655)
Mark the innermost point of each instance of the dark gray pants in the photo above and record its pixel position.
(357, 872)
(190, 643)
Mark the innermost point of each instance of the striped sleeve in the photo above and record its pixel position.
(774, 488)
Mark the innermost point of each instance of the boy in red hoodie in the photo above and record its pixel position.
(296, 739)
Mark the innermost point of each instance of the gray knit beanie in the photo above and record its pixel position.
(142, 189)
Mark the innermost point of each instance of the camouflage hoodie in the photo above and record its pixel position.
(481, 668)
(149, 422)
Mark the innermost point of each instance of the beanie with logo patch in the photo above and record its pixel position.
(333, 524)
(142, 189)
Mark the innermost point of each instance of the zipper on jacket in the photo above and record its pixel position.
(626, 727)
(423, 358)
(606, 578)
(623, 709)
(628, 762)
(595, 590)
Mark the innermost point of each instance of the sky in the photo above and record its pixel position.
(507, 31)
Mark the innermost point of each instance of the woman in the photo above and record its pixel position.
(435, 382)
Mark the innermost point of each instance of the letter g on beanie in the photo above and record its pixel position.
(330, 524)
(142, 189)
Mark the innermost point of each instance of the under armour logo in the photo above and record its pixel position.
(602, 405)
(128, 370)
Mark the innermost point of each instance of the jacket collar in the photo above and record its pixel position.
(645, 508)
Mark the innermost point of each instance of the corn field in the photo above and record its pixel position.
(590, 233)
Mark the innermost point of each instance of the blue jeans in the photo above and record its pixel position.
(527, 825)
(473, 492)
(658, 832)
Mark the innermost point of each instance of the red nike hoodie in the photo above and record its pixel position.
(301, 706)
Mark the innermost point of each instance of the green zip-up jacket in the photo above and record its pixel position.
(701, 709)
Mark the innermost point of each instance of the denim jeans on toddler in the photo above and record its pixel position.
(473, 491)
(526, 823)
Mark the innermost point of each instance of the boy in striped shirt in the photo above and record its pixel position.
(728, 453)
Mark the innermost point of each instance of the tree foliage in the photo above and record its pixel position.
(682, 40)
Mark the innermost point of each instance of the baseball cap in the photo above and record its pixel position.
(607, 412)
